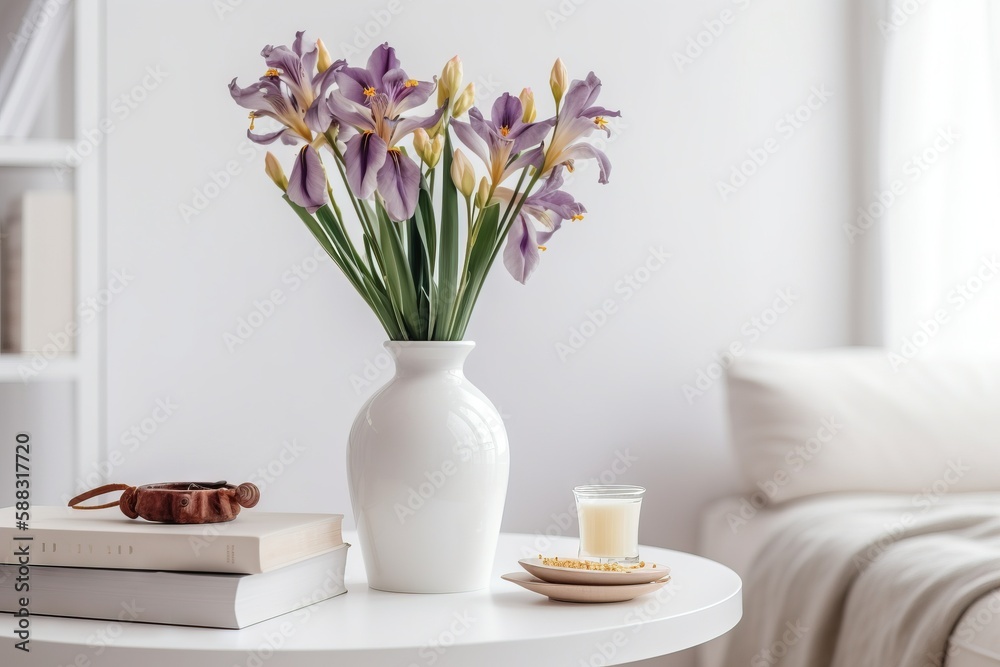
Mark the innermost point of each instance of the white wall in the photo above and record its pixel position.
(621, 393)
(44, 409)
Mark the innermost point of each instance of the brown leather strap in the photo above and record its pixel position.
(99, 491)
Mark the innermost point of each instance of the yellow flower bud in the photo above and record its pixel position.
(421, 143)
(274, 171)
(483, 195)
(462, 174)
(450, 81)
(464, 101)
(558, 80)
(437, 146)
(323, 61)
(528, 105)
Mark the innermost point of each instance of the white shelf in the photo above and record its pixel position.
(33, 152)
(26, 368)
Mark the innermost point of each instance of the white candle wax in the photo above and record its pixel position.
(609, 527)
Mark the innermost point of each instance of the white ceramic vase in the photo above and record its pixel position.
(428, 463)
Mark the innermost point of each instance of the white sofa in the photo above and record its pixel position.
(869, 532)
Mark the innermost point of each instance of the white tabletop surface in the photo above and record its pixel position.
(504, 625)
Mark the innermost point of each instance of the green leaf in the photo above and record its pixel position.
(336, 230)
(368, 291)
(480, 257)
(422, 264)
(372, 265)
(427, 226)
(432, 299)
(448, 258)
(400, 282)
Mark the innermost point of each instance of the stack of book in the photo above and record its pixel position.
(100, 564)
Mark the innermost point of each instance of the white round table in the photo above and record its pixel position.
(504, 625)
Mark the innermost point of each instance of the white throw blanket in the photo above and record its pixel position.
(876, 581)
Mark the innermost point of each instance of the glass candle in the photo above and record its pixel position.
(609, 522)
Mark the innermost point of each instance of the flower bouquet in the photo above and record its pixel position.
(427, 456)
(411, 200)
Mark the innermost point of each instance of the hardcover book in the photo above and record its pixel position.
(38, 274)
(252, 543)
(206, 599)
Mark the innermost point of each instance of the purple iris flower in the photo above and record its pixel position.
(498, 140)
(383, 75)
(578, 118)
(369, 102)
(548, 206)
(289, 92)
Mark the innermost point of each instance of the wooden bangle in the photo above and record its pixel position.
(176, 502)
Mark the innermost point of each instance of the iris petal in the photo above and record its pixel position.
(399, 185)
(319, 117)
(382, 59)
(364, 157)
(506, 112)
(350, 113)
(290, 66)
(353, 81)
(471, 139)
(307, 182)
(407, 125)
(252, 97)
(521, 255)
(584, 151)
(266, 138)
(530, 135)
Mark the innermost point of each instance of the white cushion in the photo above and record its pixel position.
(805, 423)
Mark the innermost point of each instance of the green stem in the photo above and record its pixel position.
(513, 198)
(459, 327)
(359, 209)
